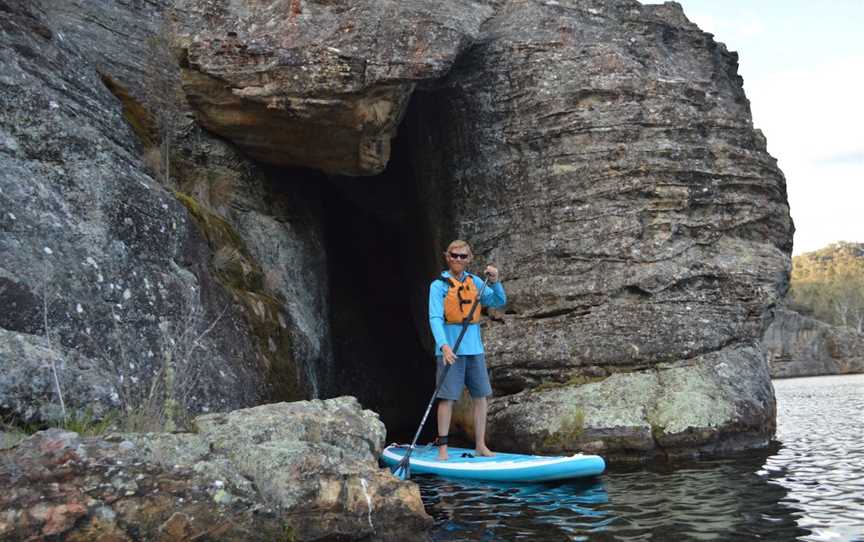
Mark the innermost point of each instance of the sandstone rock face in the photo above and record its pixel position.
(604, 157)
(798, 345)
(263, 227)
(298, 471)
(316, 83)
(601, 153)
(250, 256)
(102, 274)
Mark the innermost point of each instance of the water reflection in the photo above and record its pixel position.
(708, 500)
(716, 500)
(518, 512)
(809, 486)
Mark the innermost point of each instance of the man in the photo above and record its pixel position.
(450, 299)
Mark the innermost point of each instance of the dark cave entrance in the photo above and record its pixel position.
(382, 257)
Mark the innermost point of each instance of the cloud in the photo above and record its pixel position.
(855, 158)
(811, 113)
(812, 117)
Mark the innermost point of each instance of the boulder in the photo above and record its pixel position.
(604, 157)
(716, 403)
(286, 471)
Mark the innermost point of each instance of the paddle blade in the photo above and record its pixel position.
(402, 470)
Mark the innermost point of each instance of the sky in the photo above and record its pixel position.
(803, 67)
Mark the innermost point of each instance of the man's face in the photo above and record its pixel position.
(458, 259)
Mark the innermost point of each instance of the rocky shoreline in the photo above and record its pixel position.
(198, 199)
(799, 345)
(286, 471)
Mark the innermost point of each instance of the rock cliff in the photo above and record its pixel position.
(103, 275)
(601, 153)
(604, 153)
(285, 471)
(798, 345)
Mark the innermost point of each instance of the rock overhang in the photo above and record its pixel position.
(322, 85)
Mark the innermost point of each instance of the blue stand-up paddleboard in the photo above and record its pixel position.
(502, 467)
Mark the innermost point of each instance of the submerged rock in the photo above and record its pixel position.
(285, 471)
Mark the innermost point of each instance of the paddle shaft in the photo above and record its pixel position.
(465, 325)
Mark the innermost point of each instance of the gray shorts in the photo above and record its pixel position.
(466, 371)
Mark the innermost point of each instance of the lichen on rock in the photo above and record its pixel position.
(306, 468)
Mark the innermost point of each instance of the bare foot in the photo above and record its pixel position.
(442, 453)
(483, 451)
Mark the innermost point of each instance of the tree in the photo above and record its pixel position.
(830, 283)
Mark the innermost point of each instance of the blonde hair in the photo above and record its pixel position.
(459, 243)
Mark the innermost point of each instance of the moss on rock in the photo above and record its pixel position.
(569, 431)
(243, 277)
(140, 120)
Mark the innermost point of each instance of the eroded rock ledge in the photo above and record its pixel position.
(318, 84)
(285, 471)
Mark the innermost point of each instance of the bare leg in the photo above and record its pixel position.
(445, 410)
(480, 406)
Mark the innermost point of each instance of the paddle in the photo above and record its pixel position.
(403, 470)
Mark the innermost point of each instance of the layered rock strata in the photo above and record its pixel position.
(798, 345)
(285, 471)
(605, 158)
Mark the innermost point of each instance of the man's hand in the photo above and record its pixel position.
(492, 273)
(449, 356)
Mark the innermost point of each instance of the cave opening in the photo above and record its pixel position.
(382, 235)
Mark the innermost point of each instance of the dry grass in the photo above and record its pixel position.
(154, 163)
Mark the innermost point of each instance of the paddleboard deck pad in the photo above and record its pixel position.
(503, 467)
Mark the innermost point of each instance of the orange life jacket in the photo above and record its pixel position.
(459, 299)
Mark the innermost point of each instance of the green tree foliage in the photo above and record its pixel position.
(829, 284)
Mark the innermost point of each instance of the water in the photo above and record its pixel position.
(807, 486)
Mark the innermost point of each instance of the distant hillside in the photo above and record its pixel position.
(828, 284)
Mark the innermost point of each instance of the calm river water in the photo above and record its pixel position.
(808, 486)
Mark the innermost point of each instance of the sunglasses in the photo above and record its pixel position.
(457, 256)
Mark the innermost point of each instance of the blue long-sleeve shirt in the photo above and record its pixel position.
(445, 333)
